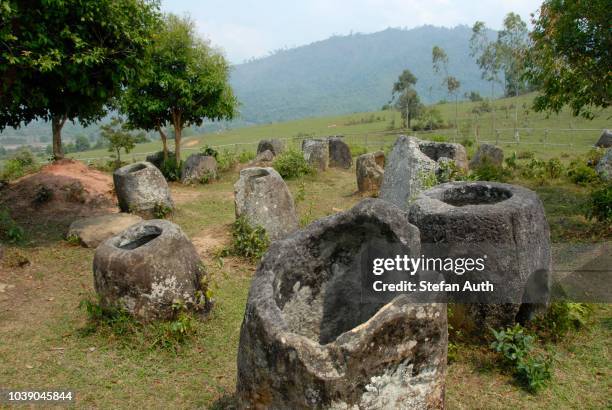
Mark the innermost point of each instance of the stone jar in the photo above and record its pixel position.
(504, 222)
(140, 188)
(308, 341)
(149, 270)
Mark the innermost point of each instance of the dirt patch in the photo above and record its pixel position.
(61, 191)
(191, 143)
(209, 241)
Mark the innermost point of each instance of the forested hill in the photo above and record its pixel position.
(351, 73)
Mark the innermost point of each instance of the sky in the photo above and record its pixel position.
(248, 28)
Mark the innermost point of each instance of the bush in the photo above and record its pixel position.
(357, 150)
(448, 171)
(599, 205)
(516, 348)
(246, 156)
(171, 169)
(534, 169)
(9, 229)
(526, 155)
(291, 164)
(554, 168)
(24, 157)
(581, 174)
(12, 170)
(490, 172)
(226, 160)
(247, 241)
(210, 151)
(594, 156)
(561, 318)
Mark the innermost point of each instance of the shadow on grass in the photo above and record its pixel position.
(227, 402)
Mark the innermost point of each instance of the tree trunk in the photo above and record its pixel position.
(164, 139)
(57, 122)
(456, 117)
(178, 128)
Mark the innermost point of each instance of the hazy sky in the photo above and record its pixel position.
(248, 28)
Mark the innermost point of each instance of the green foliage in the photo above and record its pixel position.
(581, 174)
(488, 171)
(210, 151)
(516, 348)
(118, 323)
(12, 170)
(207, 177)
(118, 137)
(226, 160)
(81, 143)
(599, 205)
(561, 318)
(554, 168)
(534, 169)
(247, 241)
(160, 211)
(526, 155)
(570, 56)
(67, 60)
(171, 169)
(246, 156)
(9, 229)
(186, 82)
(291, 164)
(357, 150)
(448, 171)
(430, 118)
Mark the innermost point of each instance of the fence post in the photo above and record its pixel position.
(496, 137)
(545, 136)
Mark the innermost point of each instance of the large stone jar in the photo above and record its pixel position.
(309, 341)
(503, 223)
(152, 270)
(141, 188)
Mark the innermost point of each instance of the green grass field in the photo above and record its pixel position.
(378, 129)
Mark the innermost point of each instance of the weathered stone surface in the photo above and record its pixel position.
(605, 140)
(604, 166)
(307, 341)
(147, 269)
(262, 197)
(339, 153)
(505, 222)
(274, 145)
(96, 229)
(437, 150)
(198, 168)
(316, 153)
(487, 153)
(140, 188)
(262, 159)
(405, 170)
(370, 169)
(157, 158)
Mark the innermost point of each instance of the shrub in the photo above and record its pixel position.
(160, 211)
(210, 151)
(526, 155)
(24, 157)
(247, 241)
(534, 169)
(12, 170)
(490, 172)
(291, 164)
(42, 195)
(581, 174)
(466, 142)
(561, 318)
(9, 229)
(171, 169)
(226, 160)
(554, 168)
(246, 156)
(594, 156)
(599, 205)
(516, 348)
(448, 171)
(511, 161)
(357, 150)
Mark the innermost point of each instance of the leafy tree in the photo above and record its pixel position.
(570, 58)
(406, 98)
(187, 81)
(64, 60)
(439, 59)
(82, 143)
(512, 45)
(118, 137)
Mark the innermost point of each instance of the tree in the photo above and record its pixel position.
(406, 98)
(118, 137)
(570, 58)
(66, 60)
(439, 60)
(187, 81)
(511, 49)
(81, 143)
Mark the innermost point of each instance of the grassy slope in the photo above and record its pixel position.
(356, 133)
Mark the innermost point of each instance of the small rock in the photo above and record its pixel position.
(262, 159)
(605, 140)
(370, 170)
(604, 166)
(339, 153)
(273, 145)
(487, 153)
(199, 168)
(96, 229)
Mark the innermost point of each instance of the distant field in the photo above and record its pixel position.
(546, 136)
